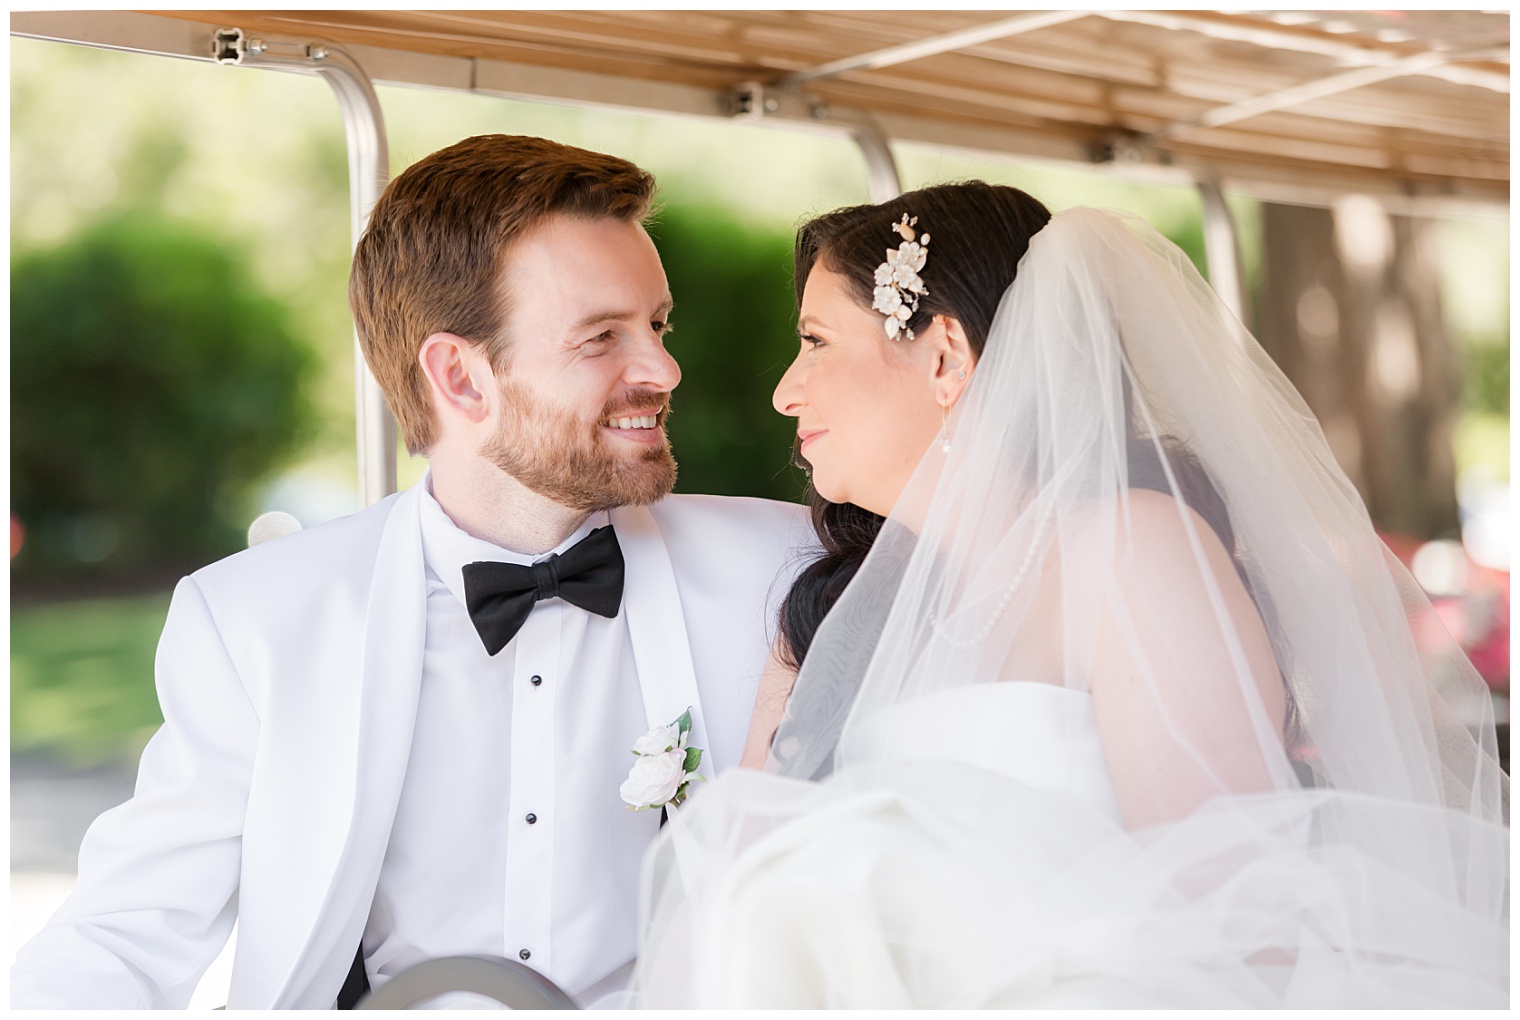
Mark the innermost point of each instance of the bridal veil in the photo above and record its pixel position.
(1322, 818)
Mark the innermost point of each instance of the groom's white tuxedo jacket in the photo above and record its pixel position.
(289, 677)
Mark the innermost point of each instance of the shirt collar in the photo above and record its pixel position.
(447, 548)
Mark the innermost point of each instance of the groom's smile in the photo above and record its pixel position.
(645, 426)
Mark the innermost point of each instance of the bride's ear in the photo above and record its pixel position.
(953, 360)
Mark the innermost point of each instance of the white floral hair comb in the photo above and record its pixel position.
(898, 285)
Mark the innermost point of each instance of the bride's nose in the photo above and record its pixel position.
(788, 398)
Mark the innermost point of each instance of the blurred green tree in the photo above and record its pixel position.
(153, 385)
(735, 334)
(1486, 363)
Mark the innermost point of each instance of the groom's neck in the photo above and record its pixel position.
(487, 503)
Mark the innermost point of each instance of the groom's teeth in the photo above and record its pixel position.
(624, 423)
(647, 421)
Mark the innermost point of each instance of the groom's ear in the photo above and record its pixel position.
(459, 376)
(953, 359)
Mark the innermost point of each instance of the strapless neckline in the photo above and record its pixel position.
(1042, 735)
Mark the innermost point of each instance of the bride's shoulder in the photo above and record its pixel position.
(1142, 534)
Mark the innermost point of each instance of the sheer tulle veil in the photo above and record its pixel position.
(1376, 833)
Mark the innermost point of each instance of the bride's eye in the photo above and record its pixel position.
(809, 339)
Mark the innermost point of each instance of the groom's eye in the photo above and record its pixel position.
(662, 328)
(596, 346)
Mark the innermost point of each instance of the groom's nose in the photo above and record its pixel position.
(651, 367)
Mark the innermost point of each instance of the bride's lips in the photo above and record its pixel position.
(806, 436)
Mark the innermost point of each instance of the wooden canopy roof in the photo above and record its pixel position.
(1096, 84)
(1409, 102)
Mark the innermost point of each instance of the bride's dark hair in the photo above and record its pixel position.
(979, 233)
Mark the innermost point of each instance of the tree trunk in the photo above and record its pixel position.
(1349, 308)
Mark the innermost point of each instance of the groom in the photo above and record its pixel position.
(400, 735)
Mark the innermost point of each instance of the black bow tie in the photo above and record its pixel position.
(500, 596)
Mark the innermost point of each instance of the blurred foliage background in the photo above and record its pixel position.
(735, 333)
(182, 352)
(160, 385)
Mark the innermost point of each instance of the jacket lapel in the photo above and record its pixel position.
(378, 736)
(657, 627)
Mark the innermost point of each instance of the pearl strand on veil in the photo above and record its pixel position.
(941, 626)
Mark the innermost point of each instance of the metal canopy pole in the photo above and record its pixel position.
(754, 101)
(1221, 246)
(368, 172)
(883, 180)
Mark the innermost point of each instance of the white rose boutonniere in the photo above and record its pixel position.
(659, 740)
(663, 766)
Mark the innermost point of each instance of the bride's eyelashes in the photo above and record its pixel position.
(809, 339)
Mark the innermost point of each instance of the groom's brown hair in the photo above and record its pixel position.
(432, 257)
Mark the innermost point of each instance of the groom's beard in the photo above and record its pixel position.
(571, 461)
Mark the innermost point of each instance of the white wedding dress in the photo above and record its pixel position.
(973, 857)
(1129, 500)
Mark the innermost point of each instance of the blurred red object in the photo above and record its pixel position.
(1476, 616)
(18, 535)
(1484, 609)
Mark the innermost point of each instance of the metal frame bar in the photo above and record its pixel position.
(1221, 247)
(368, 172)
(883, 180)
(753, 101)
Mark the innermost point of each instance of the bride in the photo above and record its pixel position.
(1104, 692)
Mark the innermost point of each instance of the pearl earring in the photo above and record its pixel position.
(944, 419)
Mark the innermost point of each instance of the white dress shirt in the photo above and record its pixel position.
(510, 838)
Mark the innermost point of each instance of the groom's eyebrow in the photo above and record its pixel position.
(615, 315)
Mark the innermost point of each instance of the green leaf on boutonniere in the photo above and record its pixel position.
(683, 724)
(693, 759)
